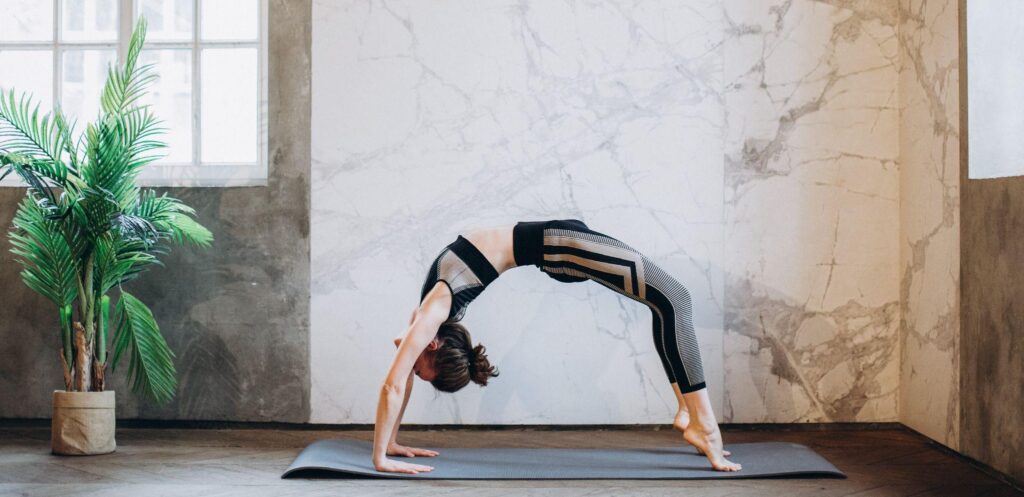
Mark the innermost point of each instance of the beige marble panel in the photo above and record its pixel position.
(930, 218)
(811, 211)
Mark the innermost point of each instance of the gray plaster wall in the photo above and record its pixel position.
(992, 310)
(237, 316)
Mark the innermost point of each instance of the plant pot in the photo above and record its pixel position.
(83, 423)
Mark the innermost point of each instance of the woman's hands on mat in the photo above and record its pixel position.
(398, 450)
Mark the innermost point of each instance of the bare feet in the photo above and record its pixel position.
(708, 441)
(682, 421)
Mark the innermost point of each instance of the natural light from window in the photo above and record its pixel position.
(210, 56)
(995, 76)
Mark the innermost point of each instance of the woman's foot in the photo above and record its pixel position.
(708, 441)
(682, 421)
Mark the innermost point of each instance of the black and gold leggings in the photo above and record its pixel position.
(569, 251)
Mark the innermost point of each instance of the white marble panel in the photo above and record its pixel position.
(434, 117)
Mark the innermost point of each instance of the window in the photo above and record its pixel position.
(210, 56)
(995, 114)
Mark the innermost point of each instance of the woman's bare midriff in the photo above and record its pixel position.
(496, 245)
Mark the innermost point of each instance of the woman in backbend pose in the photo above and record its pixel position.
(438, 349)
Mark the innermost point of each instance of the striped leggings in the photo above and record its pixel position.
(569, 251)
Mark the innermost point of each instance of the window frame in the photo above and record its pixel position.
(196, 172)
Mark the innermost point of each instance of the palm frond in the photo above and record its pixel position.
(24, 131)
(173, 219)
(49, 267)
(186, 231)
(123, 140)
(151, 362)
(132, 227)
(94, 210)
(138, 128)
(126, 85)
(118, 261)
(70, 144)
(107, 168)
(45, 179)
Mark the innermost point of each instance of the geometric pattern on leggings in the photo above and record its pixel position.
(571, 255)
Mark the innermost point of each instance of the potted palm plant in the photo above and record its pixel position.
(83, 230)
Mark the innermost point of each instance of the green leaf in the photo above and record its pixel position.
(118, 261)
(172, 219)
(119, 145)
(151, 362)
(39, 246)
(126, 85)
(185, 230)
(24, 131)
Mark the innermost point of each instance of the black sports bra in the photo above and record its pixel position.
(466, 272)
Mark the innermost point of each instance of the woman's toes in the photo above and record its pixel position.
(727, 466)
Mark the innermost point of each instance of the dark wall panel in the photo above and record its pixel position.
(992, 310)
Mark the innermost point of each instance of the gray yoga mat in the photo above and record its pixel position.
(351, 458)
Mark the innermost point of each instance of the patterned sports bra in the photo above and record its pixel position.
(466, 272)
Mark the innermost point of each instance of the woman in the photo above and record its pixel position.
(439, 350)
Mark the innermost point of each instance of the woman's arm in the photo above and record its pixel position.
(405, 401)
(397, 449)
(432, 312)
(401, 413)
(394, 449)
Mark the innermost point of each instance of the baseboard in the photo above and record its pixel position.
(273, 425)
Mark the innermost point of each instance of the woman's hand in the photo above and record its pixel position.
(395, 449)
(389, 466)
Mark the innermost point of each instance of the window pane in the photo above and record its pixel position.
(38, 81)
(26, 20)
(229, 19)
(229, 119)
(995, 77)
(168, 19)
(89, 20)
(170, 98)
(84, 73)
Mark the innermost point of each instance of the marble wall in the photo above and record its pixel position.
(748, 147)
(432, 119)
(811, 206)
(930, 219)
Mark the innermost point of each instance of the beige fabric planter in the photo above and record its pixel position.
(83, 423)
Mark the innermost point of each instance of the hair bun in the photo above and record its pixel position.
(480, 369)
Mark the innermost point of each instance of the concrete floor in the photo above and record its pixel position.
(248, 462)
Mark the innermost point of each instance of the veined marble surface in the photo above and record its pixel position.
(811, 211)
(748, 147)
(930, 214)
(434, 118)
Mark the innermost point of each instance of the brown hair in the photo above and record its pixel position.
(457, 362)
